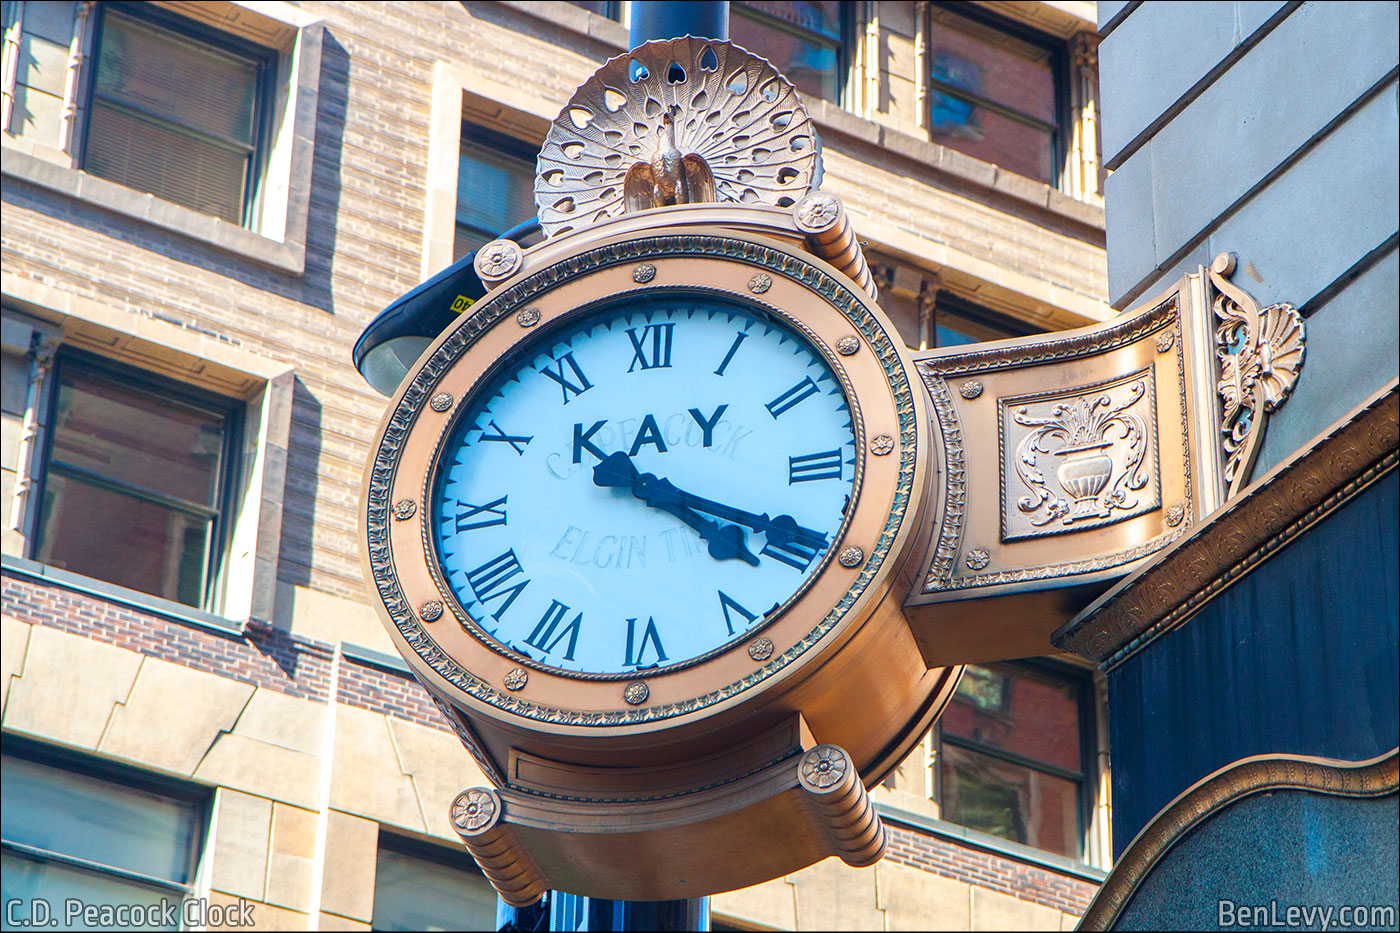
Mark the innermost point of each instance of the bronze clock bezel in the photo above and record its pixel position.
(561, 285)
(565, 319)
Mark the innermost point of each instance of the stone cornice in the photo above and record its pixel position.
(1264, 517)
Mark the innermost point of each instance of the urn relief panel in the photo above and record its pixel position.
(1078, 459)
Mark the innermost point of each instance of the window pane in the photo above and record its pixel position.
(136, 437)
(1010, 801)
(123, 539)
(820, 16)
(167, 163)
(420, 894)
(84, 817)
(166, 75)
(495, 191)
(993, 65)
(1020, 711)
(984, 134)
(809, 63)
(25, 880)
(608, 8)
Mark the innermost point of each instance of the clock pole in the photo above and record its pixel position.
(650, 19)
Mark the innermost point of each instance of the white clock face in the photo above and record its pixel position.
(644, 486)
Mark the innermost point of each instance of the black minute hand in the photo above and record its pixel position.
(661, 493)
(725, 541)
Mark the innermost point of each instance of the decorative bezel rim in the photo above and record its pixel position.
(897, 494)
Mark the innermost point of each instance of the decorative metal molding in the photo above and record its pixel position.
(673, 122)
(823, 220)
(1105, 443)
(1263, 518)
(1260, 353)
(842, 805)
(1377, 777)
(936, 372)
(508, 301)
(478, 817)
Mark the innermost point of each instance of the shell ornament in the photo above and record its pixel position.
(677, 121)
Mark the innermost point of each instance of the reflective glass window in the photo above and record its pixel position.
(415, 889)
(495, 188)
(67, 835)
(804, 41)
(1012, 755)
(145, 463)
(994, 93)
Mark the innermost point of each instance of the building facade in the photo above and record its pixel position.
(1253, 705)
(205, 203)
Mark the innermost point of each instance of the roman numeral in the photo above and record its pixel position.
(566, 384)
(493, 515)
(544, 637)
(733, 348)
(804, 469)
(492, 581)
(649, 637)
(726, 603)
(659, 336)
(793, 553)
(501, 437)
(803, 390)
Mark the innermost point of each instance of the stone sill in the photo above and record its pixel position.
(838, 121)
(371, 658)
(142, 602)
(128, 202)
(993, 844)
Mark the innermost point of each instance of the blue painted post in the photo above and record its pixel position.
(651, 19)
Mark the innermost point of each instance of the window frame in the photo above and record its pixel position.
(1059, 70)
(1086, 778)
(228, 476)
(843, 42)
(127, 778)
(264, 94)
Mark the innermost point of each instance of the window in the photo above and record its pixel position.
(995, 92)
(177, 111)
(422, 887)
(495, 187)
(70, 834)
(612, 9)
(152, 459)
(957, 322)
(803, 40)
(1015, 746)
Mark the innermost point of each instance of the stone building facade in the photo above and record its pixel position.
(188, 641)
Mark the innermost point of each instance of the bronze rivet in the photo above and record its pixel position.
(881, 444)
(977, 558)
(644, 273)
(760, 283)
(636, 693)
(1175, 514)
(970, 389)
(847, 345)
(761, 649)
(1164, 341)
(528, 318)
(440, 402)
(850, 556)
(404, 509)
(430, 611)
(515, 678)
(498, 260)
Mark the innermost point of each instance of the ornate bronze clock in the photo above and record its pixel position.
(642, 519)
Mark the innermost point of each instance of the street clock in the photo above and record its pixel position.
(641, 519)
